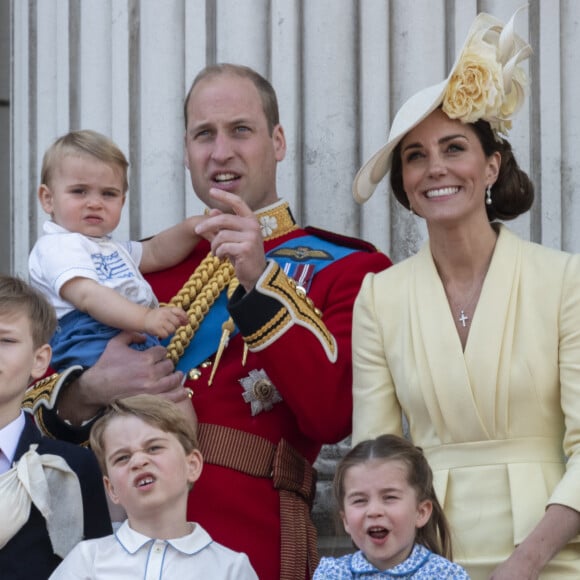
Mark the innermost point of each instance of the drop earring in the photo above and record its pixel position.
(488, 195)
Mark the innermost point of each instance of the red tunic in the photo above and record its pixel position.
(238, 510)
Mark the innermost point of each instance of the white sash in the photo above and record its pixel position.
(54, 488)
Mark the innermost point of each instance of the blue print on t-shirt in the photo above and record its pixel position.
(111, 266)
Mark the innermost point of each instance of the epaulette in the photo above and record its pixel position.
(40, 401)
(341, 239)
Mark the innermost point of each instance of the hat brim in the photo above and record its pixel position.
(414, 111)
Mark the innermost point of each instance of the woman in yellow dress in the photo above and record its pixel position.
(476, 339)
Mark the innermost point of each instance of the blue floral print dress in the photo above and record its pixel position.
(422, 564)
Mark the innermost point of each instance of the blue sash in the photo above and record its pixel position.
(289, 255)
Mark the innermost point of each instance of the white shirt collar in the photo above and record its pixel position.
(133, 541)
(50, 227)
(9, 438)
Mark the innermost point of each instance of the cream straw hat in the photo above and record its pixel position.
(484, 83)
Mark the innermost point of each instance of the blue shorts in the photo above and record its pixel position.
(79, 339)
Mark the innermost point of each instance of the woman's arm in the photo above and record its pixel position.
(561, 520)
(376, 409)
(558, 526)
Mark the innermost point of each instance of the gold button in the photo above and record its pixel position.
(194, 374)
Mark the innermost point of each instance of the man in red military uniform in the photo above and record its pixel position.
(266, 353)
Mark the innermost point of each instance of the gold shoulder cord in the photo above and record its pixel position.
(196, 297)
(206, 284)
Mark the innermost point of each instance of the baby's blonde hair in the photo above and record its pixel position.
(84, 142)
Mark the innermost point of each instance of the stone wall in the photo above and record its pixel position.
(332, 540)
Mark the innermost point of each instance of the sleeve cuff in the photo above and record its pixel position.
(45, 391)
(41, 399)
(273, 307)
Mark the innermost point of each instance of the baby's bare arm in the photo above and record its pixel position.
(107, 306)
(171, 246)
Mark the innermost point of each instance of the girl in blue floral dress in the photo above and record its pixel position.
(384, 488)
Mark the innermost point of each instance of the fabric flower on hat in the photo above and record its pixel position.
(476, 87)
(486, 82)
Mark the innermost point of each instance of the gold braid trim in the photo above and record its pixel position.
(40, 393)
(196, 298)
(200, 277)
(298, 308)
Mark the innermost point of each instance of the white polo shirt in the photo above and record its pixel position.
(128, 554)
(60, 255)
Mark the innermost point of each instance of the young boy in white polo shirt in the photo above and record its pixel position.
(149, 456)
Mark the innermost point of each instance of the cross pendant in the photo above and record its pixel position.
(462, 318)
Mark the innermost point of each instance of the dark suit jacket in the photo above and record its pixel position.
(28, 555)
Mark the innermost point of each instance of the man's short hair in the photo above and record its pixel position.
(265, 89)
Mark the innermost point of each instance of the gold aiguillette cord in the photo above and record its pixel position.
(227, 328)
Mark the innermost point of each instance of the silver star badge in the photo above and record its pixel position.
(259, 391)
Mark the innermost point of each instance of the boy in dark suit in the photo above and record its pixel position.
(51, 492)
